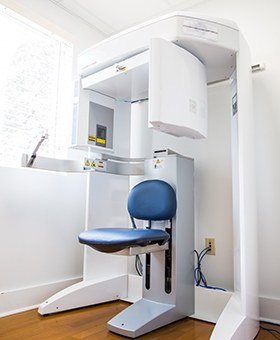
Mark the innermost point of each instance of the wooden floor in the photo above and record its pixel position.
(90, 323)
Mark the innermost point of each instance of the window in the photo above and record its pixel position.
(35, 89)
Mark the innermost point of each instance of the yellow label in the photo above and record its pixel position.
(87, 163)
(91, 138)
(121, 68)
(101, 140)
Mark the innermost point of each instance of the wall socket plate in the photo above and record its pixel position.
(210, 242)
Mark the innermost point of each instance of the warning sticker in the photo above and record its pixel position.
(94, 164)
(87, 163)
(91, 138)
(101, 165)
(100, 140)
(120, 68)
(158, 163)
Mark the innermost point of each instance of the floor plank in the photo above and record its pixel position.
(90, 323)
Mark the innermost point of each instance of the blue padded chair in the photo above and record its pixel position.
(150, 200)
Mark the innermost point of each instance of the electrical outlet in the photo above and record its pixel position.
(210, 242)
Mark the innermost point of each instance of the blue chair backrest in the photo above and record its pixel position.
(152, 200)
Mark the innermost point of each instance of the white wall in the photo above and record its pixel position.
(41, 213)
(259, 22)
(213, 194)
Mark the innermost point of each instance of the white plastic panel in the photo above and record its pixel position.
(119, 132)
(106, 207)
(188, 30)
(239, 320)
(83, 124)
(125, 80)
(177, 91)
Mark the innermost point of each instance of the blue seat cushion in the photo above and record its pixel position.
(109, 240)
(152, 200)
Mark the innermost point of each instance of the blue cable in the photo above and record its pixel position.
(199, 277)
(200, 280)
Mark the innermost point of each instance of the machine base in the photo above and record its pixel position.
(86, 293)
(142, 317)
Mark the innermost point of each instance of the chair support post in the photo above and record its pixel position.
(170, 293)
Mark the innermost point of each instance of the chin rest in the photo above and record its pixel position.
(110, 240)
(151, 200)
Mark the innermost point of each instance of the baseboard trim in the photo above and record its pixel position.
(20, 300)
(269, 309)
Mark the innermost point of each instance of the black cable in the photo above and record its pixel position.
(270, 329)
(138, 265)
(198, 275)
(200, 279)
(133, 222)
(270, 323)
(138, 262)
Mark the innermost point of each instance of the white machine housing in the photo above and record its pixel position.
(212, 40)
(168, 61)
(175, 73)
(118, 70)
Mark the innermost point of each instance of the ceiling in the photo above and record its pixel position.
(112, 16)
